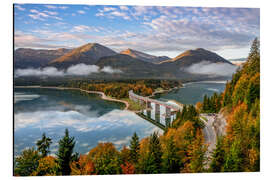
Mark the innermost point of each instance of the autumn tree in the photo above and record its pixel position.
(27, 162)
(83, 166)
(43, 145)
(106, 159)
(65, 153)
(47, 166)
(196, 154)
(125, 155)
(128, 168)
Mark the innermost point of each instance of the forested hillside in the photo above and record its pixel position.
(239, 150)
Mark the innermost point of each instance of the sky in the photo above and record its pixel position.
(156, 30)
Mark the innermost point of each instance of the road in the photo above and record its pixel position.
(103, 96)
(209, 133)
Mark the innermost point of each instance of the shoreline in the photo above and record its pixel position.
(103, 96)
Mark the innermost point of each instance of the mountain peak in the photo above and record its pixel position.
(190, 57)
(88, 53)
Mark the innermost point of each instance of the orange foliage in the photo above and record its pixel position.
(127, 168)
(84, 166)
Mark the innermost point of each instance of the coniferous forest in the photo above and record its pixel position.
(181, 149)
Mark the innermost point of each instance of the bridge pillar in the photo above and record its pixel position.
(168, 116)
(148, 113)
(157, 112)
(148, 105)
(157, 109)
(168, 112)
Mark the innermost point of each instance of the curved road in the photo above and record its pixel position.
(209, 133)
(103, 96)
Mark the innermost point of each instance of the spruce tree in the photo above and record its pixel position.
(134, 148)
(170, 160)
(218, 154)
(154, 155)
(43, 145)
(64, 155)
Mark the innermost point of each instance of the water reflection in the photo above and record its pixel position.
(89, 119)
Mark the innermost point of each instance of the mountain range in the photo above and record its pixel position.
(131, 63)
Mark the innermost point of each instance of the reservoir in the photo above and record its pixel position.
(89, 118)
(193, 92)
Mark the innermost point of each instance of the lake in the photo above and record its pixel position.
(193, 92)
(88, 118)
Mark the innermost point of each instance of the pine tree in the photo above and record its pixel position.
(134, 148)
(44, 145)
(65, 156)
(154, 156)
(218, 154)
(170, 159)
(255, 49)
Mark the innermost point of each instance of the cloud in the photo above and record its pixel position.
(38, 15)
(19, 7)
(56, 7)
(171, 30)
(108, 69)
(82, 69)
(84, 28)
(74, 70)
(111, 12)
(209, 68)
(48, 71)
(125, 8)
(81, 12)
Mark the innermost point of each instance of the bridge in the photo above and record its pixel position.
(170, 108)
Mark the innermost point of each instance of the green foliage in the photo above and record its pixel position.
(211, 104)
(170, 159)
(234, 158)
(134, 148)
(27, 162)
(154, 156)
(43, 145)
(106, 159)
(218, 155)
(188, 113)
(65, 153)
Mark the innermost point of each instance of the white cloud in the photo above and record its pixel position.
(37, 15)
(209, 68)
(124, 8)
(110, 70)
(81, 12)
(19, 7)
(48, 71)
(51, 6)
(82, 69)
(56, 7)
(106, 9)
(83, 28)
(74, 70)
